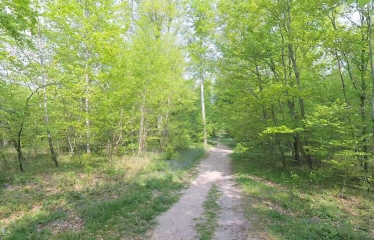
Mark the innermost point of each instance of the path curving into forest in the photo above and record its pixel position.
(180, 220)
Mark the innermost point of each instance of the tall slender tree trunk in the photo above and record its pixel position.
(338, 59)
(120, 125)
(162, 125)
(363, 118)
(87, 119)
(203, 111)
(202, 98)
(342, 77)
(87, 90)
(297, 76)
(142, 135)
(70, 142)
(295, 145)
(370, 6)
(292, 57)
(18, 146)
(165, 133)
(45, 99)
(301, 104)
(363, 98)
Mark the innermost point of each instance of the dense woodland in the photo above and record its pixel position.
(289, 80)
(105, 77)
(96, 95)
(295, 81)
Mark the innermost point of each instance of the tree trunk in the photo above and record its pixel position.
(296, 149)
(71, 146)
(120, 124)
(160, 130)
(372, 70)
(45, 100)
(333, 22)
(86, 99)
(297, 76)
(342, 78)
(277, 140)
(87, 90)
(302, 107)
(142, 136)
(363, 98)
(87, 119)
(292, 58)
(291, 105)
(18, 147)
(202, 98)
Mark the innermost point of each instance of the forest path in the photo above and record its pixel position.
(180, 220)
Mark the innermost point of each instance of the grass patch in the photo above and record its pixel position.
(213, 140)
(208, 223)
(291, 204)
(230, 142)
(186, 159)
(222, 138)
(93, 200)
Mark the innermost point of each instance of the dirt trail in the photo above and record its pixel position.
(179, 221)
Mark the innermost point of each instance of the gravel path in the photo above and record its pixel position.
(178, 223)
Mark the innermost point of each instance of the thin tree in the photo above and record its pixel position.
(45, 99)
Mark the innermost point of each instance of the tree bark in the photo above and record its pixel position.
(291, 105)
(363, 98)
(333, 22)
(372, 69)
(142, 136)
(87, 119)
(292, 58)
(87, 86)
(302, 107)
(202, 98)
(18, 146)
(45, 99)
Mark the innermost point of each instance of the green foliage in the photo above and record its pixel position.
(294, 204)
(361, 3)
(290, 82)
(281, 130)
(289, 96)
(103, 92)
(16, 17)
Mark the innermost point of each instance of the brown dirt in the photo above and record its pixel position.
(179, 221)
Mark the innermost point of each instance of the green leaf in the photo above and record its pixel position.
(349, 2)
(362, 3)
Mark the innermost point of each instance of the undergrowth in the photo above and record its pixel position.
(93, 200)
(294, 204)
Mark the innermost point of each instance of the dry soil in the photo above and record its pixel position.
(179, 222)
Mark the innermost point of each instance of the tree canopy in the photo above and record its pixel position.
(290, 80)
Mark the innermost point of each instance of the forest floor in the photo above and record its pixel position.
(292, 203)
(183, 198)
(90, 198)
(210, 208)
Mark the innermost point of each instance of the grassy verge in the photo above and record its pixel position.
(208, 223)
(290, 204)
(93, 200)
